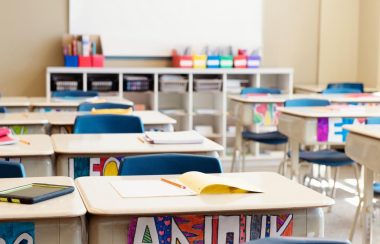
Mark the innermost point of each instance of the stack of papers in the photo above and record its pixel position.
(178, 137)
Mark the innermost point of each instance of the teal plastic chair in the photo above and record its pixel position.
(259, 90)
(167, 164)
(341, 91)
(3, 110)
(296, 240)
(74, 94)
(107, 123)
(89, 106)
(11, 170)
(347, 85)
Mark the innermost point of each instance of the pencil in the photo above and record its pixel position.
(173, 183)
(141, 139)
(25, 142)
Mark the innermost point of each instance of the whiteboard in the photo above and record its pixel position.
(154, 27)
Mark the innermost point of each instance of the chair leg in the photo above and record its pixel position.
(242, 168)
(282, 167)
(333, 189)
(356, 217)
(233, 163)
(357, 177)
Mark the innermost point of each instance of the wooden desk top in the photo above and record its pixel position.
(372, 131)
(122, 144)
(40, 145)
(25, 118)
(70, 205)
(62, 102)
(333, 98)
(147, 117)
(14, 102)
(279, 193)
(333, 111)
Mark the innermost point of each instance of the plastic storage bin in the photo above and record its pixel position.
(253, 61)
(226, 61)
(84, 61)
(207, 85)
(136, 83)
(240, 61)
(182, 61)
(213, 61)
(71, 61)
(173, 83)
(199, 61)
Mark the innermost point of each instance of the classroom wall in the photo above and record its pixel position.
(291, 38)
(369, 43)
(339, 33)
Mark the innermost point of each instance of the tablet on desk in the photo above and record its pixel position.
(34, 193)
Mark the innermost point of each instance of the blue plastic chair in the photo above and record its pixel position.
(11, 170)
(107, 123)
(306, 102)
(74, 94)
(3, 110)
(350, 85)
(164, 164)
(89, 106)
(259, 90)
(341, 91)
(296, 240)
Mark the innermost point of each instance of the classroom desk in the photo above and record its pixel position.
(36, 157)
(15, 104)
(45, 104)
(313, 88)
(25, 122)
(111, 215)
(100, 154)
(56, 221)
(150, 119)
(363, 146)
(319, 125)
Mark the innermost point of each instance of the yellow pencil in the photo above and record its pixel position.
(173, 183)
(25, 142)
(141, 139)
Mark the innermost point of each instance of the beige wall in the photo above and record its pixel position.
(369, 41)
(338, 50)
(293, 30)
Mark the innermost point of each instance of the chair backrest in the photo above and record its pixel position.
(161, 164)
(340, 91)
(373, 120)
(350, 85)
(63, 94)
(89, 106)
(11, 170)
(107, 123)
(297, 240)
(259, 90)
(3, 110)
(306, 102)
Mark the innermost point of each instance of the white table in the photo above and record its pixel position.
(56, 221)
(35, 156)
(25, 122)
(100, 154)
(300, 124)
(111, 215)
(363, 146)
(152, 120)
(15, 104)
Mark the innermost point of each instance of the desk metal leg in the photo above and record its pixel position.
(367, 206)
(294, 157)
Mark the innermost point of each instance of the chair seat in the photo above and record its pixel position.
(376, 188)
(326, 157)
(272, 138)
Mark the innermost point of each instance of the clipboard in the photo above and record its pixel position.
(34, 193)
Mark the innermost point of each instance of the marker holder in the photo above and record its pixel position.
(253, 61)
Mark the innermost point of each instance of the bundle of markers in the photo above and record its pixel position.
(83, 47)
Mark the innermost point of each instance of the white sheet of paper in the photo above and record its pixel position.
(148, 188)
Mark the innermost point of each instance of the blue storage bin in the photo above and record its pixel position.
(213, 62)
(71, 61)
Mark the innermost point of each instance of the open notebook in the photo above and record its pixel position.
(178, 137)
(188, 184)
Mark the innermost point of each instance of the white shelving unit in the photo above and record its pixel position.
(190, 108)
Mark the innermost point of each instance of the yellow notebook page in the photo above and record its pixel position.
(210, 184)
(112, 111)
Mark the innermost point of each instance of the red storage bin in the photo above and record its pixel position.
(97, 60)
(240, 61)
(84, 61)
(183, 61)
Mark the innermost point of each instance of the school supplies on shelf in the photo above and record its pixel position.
(178, 137)
(188, 184)
(82, 51)
(173, 83)
(137, 83)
